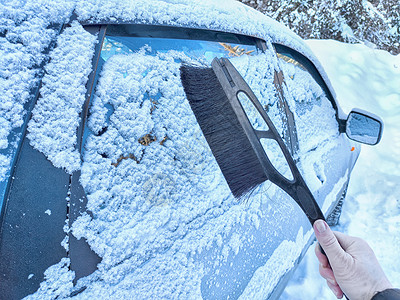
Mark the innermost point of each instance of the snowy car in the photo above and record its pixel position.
(109, 188)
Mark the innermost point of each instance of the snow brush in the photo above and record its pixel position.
(213, 96)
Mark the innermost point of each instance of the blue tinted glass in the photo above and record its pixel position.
(9, 156)
(195, 49)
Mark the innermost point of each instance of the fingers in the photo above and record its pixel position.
(327, 239)
(323, 260)
(335, 289)
(327, 273)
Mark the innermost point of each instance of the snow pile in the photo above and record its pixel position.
(368, 79)
(55, 118)
(57, 283)
(26, 29)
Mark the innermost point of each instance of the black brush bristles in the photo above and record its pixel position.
(225, 136)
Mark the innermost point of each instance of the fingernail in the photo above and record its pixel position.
(320, 226)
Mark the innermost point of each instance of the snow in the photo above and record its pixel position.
(368, 79)
(55, 118)
(58, 282)
(25, 31)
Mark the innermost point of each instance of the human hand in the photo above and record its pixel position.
(352, 268)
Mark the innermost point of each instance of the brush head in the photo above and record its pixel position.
(221, 127)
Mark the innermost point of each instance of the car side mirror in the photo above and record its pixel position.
(364, 127)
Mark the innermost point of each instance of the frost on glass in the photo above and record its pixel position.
(252, 113)
(270, 146)
(314, 115)
(316, 125)
(276, 157)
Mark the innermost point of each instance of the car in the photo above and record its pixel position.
(109, 186)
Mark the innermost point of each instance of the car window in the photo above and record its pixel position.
(290, 55)
(254, 65)
(311, 98)
(203, 51)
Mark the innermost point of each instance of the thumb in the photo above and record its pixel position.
(327, 240)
